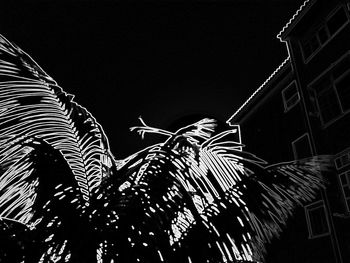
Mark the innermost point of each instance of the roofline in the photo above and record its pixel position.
(299, 14)
(277, 70)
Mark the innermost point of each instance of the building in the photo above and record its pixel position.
(302, 110)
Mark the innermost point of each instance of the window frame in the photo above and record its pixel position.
(286, 107)
(341, 185)
(337, 80)
(328, 74)
(332, 87)
(295, 154)
(339, 157)
(316, 29)
(311, 207)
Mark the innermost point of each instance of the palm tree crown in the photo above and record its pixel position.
(196, 197)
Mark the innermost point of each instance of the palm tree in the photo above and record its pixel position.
(196, 197)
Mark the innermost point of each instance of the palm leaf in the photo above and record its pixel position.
(194, 198)
(32, 105)
(215, 202)
(59, 228)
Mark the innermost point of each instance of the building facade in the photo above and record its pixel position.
(302, 110)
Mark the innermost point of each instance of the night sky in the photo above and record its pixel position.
(167, 61)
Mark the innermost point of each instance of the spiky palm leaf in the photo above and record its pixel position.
(194, 198)
(185, 201)
(53, 156)
(32, 105)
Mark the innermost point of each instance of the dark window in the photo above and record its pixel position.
(314, 43)
(323, 35)
(329, 105)
(346, 192)
(338, 163)
(341, 67)
(318, 37)
(337, 20)
(344, 179)
(290, 96)
(302, 147)
(342, 160)
(316, 219)
(343, 88)
(310, 45)
(307, 50)
(332, 91)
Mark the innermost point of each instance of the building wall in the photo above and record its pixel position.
(319, 232)
(269, 131)
(309, 71)
(318, 77)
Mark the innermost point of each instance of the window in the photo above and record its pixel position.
(342, 160)
(336, 21)
(332, 91)
(323, 35)
(344, 179)
(302, 147)
(342, 86)
(327, 100)
(319, 37)
(290, 96)
(317, 222)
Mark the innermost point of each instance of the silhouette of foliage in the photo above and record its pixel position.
(196, 197)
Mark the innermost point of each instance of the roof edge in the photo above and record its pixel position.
(276, 71)
(295, 18)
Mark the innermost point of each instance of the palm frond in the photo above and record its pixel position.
(235, 199)
(17, 191)
(57, 221)
(142, 130)
(196, 132)
(202, 130)
(197, 197)
(33, 105)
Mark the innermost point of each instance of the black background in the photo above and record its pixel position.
(162, 60)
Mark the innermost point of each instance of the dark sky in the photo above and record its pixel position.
(162, 60)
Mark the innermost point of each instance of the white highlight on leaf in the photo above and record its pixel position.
(36, 107)
(207, 177)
